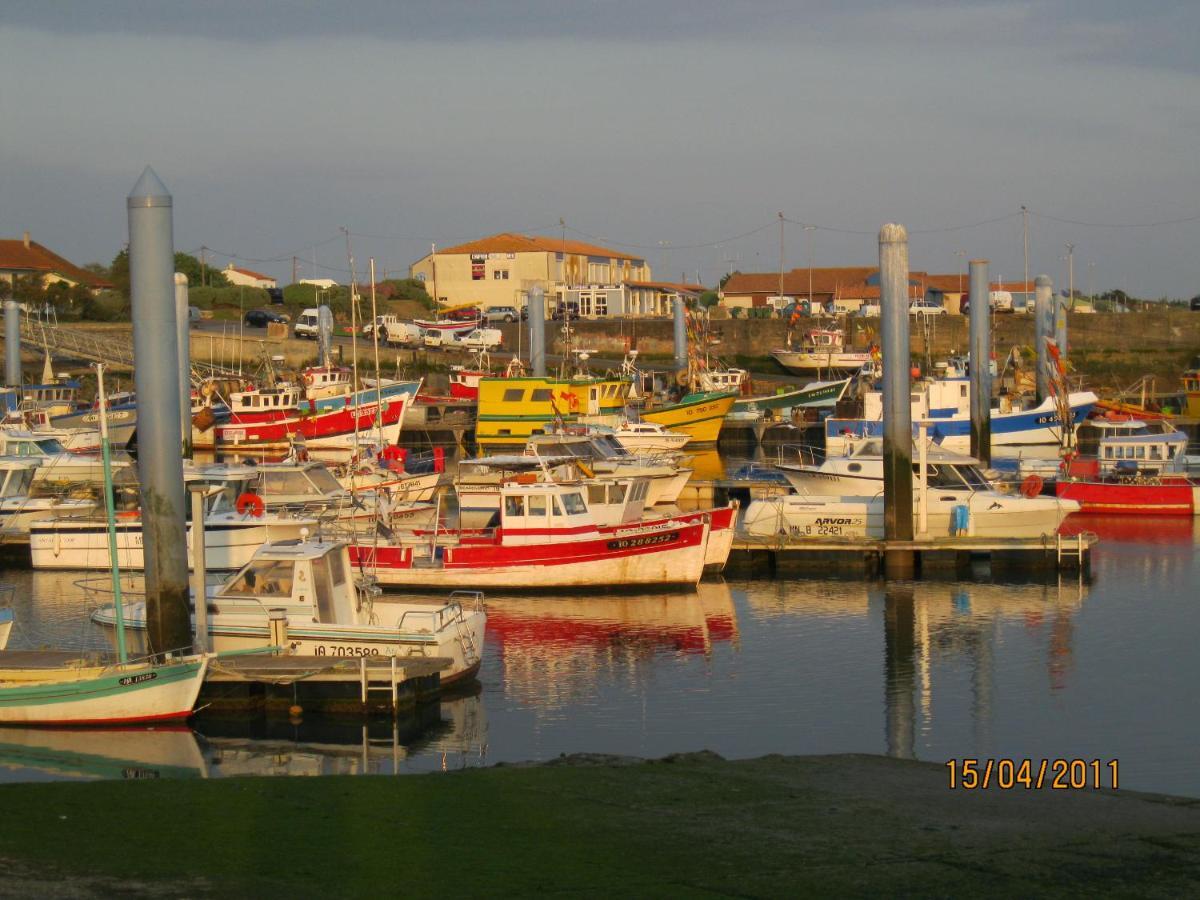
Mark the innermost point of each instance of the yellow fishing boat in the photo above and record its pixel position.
(700, 415)
(1191, 389)
(512, 409)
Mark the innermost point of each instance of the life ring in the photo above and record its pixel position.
(308, 378)
(250, 503)
(1031, 486)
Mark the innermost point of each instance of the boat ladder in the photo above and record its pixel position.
(1073, 548)
(373, 679)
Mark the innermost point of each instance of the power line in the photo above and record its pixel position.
(1062, 221)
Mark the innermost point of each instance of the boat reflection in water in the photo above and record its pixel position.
(36, 754)
(552, 650)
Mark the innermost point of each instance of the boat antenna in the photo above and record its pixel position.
(110, 516)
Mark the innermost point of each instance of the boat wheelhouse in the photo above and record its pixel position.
(514, 408)
(822, 349)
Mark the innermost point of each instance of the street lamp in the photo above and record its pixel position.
(962, 255)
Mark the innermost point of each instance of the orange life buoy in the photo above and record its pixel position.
(250, 503)
(1031, 486)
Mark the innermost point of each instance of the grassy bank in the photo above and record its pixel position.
(690, 825)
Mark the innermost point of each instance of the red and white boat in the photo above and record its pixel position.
(546, 539)
(1140, 472)
(274, 418)
(464, 380)
(447, 327)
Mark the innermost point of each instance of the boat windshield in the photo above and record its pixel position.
(974, 478)
(18, 482)
(263, 578)
(289, 482)
(942, 477)
(606, 447)
(51, 445)
(324, 480)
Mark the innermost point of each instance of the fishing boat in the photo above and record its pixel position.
(233, 530)
(605, 460)
(1139, 469)
(47, 688)
(312, 583)
(815, 394)
(511, 409)
(19, 509)
(822, 350)
(649, 437)
(1191, 388)
(860, 470)
(944, 405)
(447, 327)
(966, 510)
(55, 462)
(699, 415)
(545, 539)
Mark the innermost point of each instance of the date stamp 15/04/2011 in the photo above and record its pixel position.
(1032, 774)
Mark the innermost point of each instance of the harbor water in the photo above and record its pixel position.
(1100, 668)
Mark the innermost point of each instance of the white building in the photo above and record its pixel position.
(247, 277)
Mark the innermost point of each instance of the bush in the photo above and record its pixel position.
(228, 298)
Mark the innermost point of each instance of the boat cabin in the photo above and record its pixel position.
(730, 380)
(265, 404)
(1146, 452)
(544, 513)
(57, 397)
(297, 485)
(823, 339)
(326, 381)
(305, 578)
(579, 441)
(16, 478)
(28, 445)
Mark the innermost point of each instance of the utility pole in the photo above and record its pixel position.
(810, 229)
(781, 261)
(293, 270)
(203, 266)
(1025, 241)
(1071, 274)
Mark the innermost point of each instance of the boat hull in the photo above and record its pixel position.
(807, 362)
(119, 695)
(640, 557)
(6, 624)
(698, 415)
(819, 394)
(1170, 497)
(338, 429)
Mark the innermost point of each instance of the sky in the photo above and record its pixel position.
(677, 130)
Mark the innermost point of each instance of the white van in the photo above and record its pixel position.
(306, 324)
(394, 332)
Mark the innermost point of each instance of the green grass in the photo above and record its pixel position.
(691, 826)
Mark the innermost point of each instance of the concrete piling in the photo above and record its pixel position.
(537, 330)
(12, 343)
(1060, 325)
(981, 370)
(1043, 327)
(184, 342)
(897, 409)
(681, 348)
(325, 334)
(156, 377)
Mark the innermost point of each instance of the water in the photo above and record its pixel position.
(931, 670)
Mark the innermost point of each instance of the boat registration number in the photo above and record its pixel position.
(647, 540)
(337, 650)
(830, 528)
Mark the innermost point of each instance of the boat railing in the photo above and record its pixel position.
(437, 619)
(804, 454)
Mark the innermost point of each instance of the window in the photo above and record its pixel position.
(541, 395)
(595, 494)
(616, 492)
(514, 395)
(324, 591)
(500, 275)
(337, 568)
(537, 505)
(574, 504)
(1155, 451)
(854, 467)
(267, 578)
(557, 509)
(514, 505)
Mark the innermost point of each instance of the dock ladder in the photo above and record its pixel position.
(370, 680)
(1073, 548)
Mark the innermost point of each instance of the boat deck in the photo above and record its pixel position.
(30, 660)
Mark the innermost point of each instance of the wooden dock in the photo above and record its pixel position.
(331, 684)
(942, 553)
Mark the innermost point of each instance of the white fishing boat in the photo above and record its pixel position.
(605, 459)
(233, 531)
(649, 437)
(975, 513)
(312, 584)
(18, 509)
(860, 470)
(55, 462)
(822, 350)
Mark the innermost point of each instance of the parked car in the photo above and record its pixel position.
(567, 310)
(479, 339)
(276, 295)
(433, 339)
(393, 331)
(926, 308)
(306, 324)
(259, 318)
(466, 314)
(194, 314)
(1195, 304)
(501, 314)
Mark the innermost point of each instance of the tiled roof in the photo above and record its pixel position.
(250, 273)
(508, 242)
(14, 255)
(852, 282)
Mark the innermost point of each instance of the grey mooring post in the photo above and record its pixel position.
(981, 363)
(12, 343)
(156, 377)
(681, 348)
(1043, 327)
(897, 409)
(1060, 326)
(537, 330)
(325, 334)
(199, 568)
(184, 342)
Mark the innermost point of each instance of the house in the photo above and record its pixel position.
(24, 257)
(843, 289)
(502, 269)
(247, 277)
(322, 283)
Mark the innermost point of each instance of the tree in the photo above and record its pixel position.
(725, 278)
(118, 272)
(709, 299)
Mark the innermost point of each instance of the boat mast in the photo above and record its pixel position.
(375, 341)
(110, 516)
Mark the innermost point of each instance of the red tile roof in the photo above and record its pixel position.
(669, 286)
(508, 242)
(839, 282)
(15, 256)
(250, 273)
